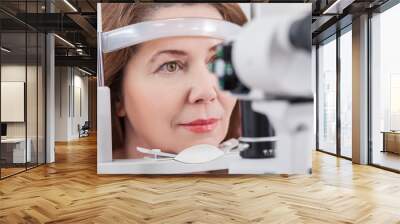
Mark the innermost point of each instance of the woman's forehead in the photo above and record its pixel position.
(179, 11)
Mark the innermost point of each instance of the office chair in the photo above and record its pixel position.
(84, 130)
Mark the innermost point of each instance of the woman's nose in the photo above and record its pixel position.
(204, 86)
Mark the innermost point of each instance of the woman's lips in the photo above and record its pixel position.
(201, 125)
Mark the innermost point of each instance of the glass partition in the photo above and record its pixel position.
(14, 154)
(22, 88)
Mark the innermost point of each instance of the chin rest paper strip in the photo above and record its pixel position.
(199, 154)
(156, 152)
(195, 154)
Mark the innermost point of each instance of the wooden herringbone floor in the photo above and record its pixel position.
(70, 191)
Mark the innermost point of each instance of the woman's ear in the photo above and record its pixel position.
(120, 109)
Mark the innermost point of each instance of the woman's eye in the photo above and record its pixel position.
(170, 67)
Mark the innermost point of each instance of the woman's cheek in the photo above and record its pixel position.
(228, 101)
(161, 102)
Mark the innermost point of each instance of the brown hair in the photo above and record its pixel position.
(115, 15)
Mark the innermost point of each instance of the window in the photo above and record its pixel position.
(327, 96)
(385, 89)
(346, 93)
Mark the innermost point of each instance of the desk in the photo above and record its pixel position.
(391, 141)
(17, 151)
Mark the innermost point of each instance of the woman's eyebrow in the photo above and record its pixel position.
(178, 52)
(172, 52)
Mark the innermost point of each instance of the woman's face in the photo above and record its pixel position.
(170, 99)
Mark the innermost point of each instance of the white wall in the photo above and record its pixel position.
(33, 126)
(70, 83)
(61, 103)
(79, 117)
(15, 72)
